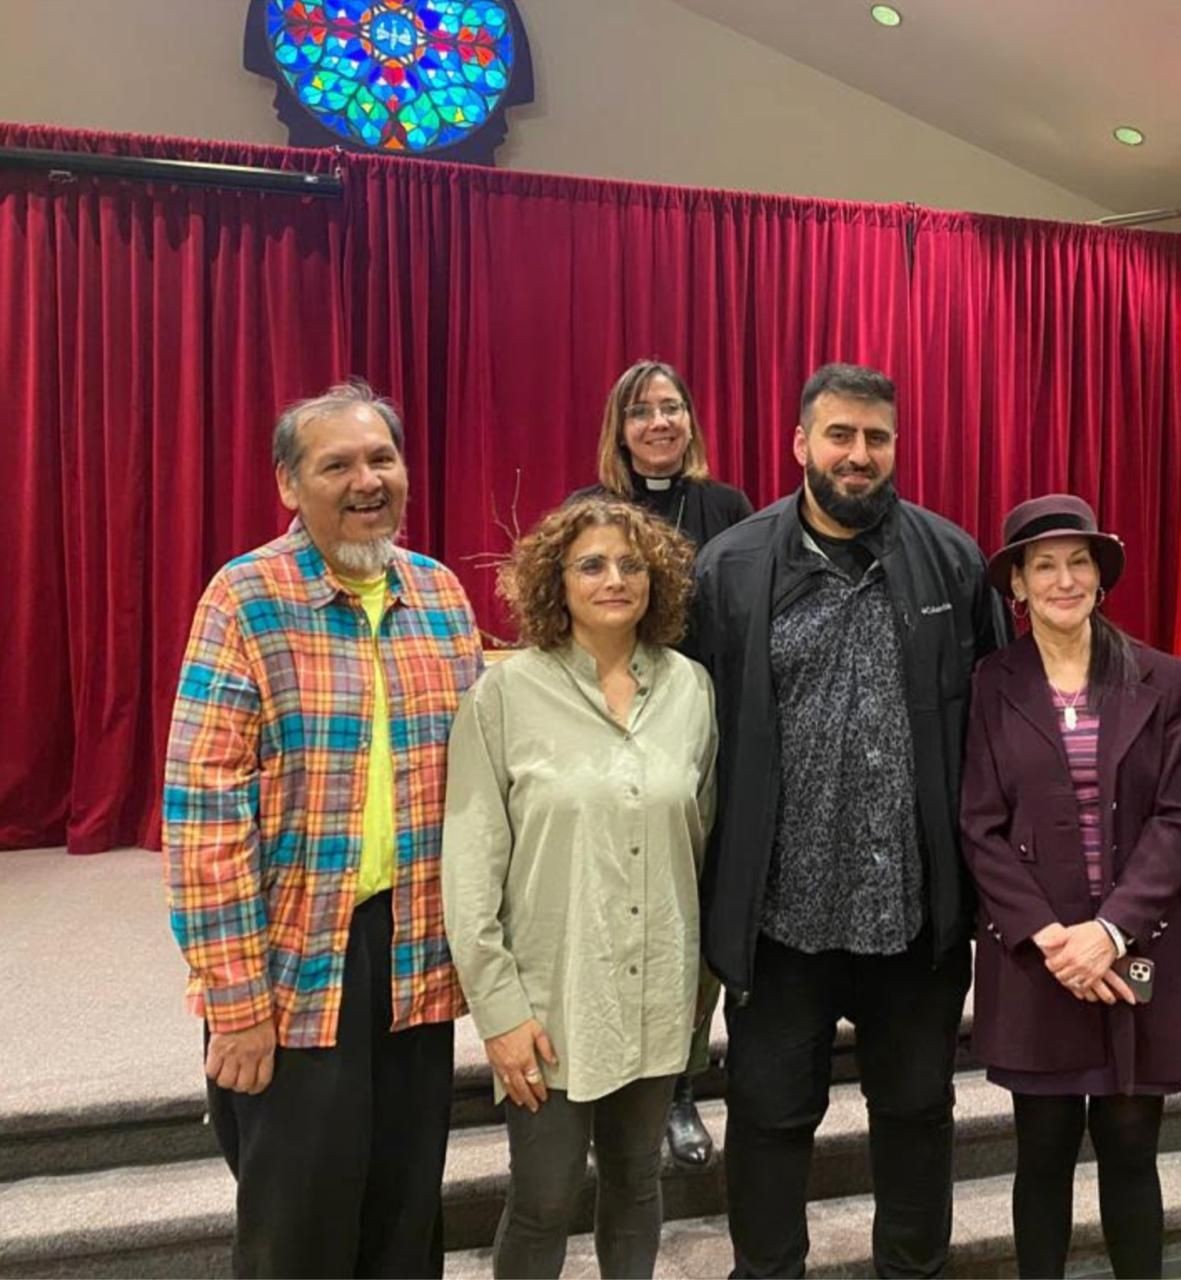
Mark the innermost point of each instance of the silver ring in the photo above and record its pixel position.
(533, 1077)
(1076, 982)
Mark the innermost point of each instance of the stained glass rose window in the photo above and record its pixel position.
(411, 77)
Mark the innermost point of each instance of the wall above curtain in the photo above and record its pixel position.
(149, 334)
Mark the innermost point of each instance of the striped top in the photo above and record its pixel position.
(265, 782)
(1082, 755)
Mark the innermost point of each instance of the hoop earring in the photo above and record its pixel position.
(1018, 608)
(1100, 596)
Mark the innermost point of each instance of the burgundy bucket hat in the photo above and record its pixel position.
(1056, 515)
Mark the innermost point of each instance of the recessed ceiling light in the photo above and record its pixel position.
(886, 14)
(1129, 136)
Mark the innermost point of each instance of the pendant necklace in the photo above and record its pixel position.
(1069, 714)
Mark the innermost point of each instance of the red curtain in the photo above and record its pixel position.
(1047, 357)
(500, 308)
(150, 333)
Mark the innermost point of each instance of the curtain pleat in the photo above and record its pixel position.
(150, 333)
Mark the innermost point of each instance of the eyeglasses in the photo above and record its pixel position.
(596, 566)
(648, 412)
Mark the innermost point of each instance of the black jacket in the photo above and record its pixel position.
(700, 509)
(948, 617)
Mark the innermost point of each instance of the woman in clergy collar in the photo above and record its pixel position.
(652, 453)
(580, 791)
(1071, 818)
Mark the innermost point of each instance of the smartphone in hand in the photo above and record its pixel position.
(1138, 973)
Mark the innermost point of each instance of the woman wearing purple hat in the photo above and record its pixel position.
(1071, 820)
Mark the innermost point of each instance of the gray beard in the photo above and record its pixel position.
(364, 559)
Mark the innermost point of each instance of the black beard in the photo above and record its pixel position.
(861, 511)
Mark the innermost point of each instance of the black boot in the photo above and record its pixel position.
(688, 1138)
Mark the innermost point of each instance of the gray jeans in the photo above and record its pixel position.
(547, 1153)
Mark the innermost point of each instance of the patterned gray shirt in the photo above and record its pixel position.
(846, 872)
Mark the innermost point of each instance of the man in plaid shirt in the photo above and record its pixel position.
(303, 808)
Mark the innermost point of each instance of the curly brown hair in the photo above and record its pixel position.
(531, 580)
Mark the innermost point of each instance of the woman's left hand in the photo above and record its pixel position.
(1083, 958)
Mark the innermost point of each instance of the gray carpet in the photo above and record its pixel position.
(93, 991)
(93, 987)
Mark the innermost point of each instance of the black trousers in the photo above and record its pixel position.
(779, 1064)
(339, 1161)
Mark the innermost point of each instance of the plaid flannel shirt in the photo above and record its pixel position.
(265, 782)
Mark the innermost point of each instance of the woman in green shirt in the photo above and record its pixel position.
(580, 793)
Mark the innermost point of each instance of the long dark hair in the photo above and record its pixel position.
(1112, 664)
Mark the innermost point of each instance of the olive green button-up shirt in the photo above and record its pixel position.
(571, 849)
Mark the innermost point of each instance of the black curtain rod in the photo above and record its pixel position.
(66, 164)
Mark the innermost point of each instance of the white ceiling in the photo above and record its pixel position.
(1040, 83)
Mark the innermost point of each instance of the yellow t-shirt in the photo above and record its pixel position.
(378, 833)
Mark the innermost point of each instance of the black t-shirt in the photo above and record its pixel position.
(852, 556)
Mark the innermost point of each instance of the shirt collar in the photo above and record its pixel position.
(580, 663)
(323, 586)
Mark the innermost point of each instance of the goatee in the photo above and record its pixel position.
(853, 511)
(365, 559)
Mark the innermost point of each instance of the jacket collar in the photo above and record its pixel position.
(1124, 713)
(790, 528)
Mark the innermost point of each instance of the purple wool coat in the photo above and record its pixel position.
(1023, 847)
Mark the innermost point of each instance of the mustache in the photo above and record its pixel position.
(854, 511)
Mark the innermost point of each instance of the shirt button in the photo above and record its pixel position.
(633, 970)
(635, 850)
(633, 791)
(635, 911)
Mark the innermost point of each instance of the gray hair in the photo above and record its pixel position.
(286, 448)
(857, 381)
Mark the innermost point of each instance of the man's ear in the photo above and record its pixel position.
(800, 445)
(287, 488)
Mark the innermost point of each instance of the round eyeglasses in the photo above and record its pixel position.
(648, 412)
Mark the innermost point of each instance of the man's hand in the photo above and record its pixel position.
(242, 1060)
(513, 1058)
(1082, 963)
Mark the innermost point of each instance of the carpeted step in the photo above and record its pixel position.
(95, 1130)
(130, 1221)
(840, 1231)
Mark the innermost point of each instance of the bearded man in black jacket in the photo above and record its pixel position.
(840, 626)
